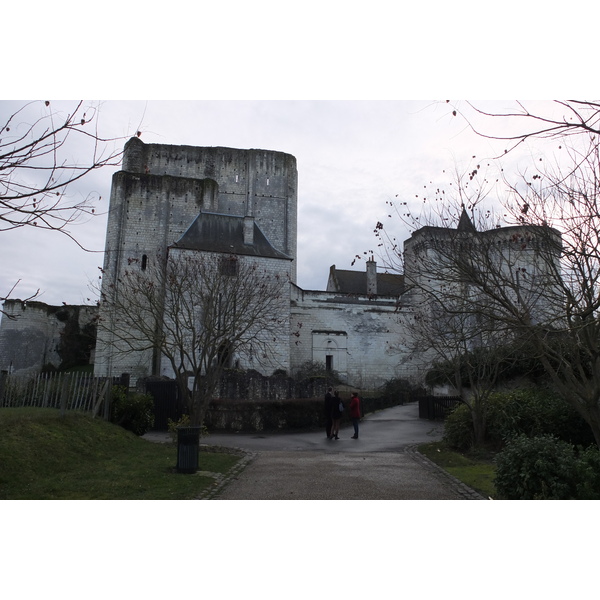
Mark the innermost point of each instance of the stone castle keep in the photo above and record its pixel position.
(224, 201)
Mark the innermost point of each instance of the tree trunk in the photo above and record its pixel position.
(592, 418)
(199, 405)
(479, 424)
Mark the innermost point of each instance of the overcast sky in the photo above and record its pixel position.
(352, 157)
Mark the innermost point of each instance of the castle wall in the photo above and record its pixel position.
(525, 259)
(364, 337)
(30, 334)
(163, 188)
(259, 183)
(148, 213)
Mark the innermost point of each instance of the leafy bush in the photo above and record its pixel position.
(538, 468)
(529, 411)
(546, 468)
(132, 411)
(172, 426)
(535, 412)
(513, 361)
(588, 474)
(458, 428)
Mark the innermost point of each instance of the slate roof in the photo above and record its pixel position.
(465, 224)
(355, 282)
(213, 232)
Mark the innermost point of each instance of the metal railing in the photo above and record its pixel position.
(436, 408)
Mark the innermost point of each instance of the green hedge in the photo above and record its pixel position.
(547, 468)
(131, 410)
(458, 428)
(528, 411)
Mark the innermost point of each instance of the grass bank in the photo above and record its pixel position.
(475, 469)
(44, 456)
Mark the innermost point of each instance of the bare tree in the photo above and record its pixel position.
(456, 328)
(564, 195)
(567, 196)
(200, 313)
(42, 152)
(536, 280)
(462, 351)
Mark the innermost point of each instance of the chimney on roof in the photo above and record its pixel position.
(248, 230)
(371, 277)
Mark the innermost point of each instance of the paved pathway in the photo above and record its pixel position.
(382, 464)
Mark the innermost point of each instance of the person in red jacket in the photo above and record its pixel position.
(355, 413)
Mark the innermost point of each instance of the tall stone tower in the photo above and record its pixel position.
(162, 189)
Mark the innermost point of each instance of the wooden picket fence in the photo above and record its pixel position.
(64, 391)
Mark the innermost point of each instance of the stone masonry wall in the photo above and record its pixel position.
(32, 338)
(366, 336)
(260, 183)
(162, 189)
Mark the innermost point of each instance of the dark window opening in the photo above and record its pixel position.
(224, 355)
(229, 266)
(144, 262)
(329, 363)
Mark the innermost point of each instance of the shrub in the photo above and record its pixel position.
(279, 373)
(458, 428)
(132, 411)
(534, 412)
(398, 390)
(172, 426)
(529, 411)
(184, 421)
(588, 474)
(538, 468)
(317, 370)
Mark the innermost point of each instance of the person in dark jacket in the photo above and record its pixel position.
(337, 412)
(328, 410)
(355, 413)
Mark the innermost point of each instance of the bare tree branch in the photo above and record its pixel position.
(43, 152)
(560, 119)
(39, 160)
(24, 301)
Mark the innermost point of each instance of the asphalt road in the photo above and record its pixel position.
(382, 464)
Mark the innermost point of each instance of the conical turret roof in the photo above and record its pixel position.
(465, 224)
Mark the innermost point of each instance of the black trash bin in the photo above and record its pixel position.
(188, 448)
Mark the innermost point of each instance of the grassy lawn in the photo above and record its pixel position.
(477, 470)
(44, 456)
